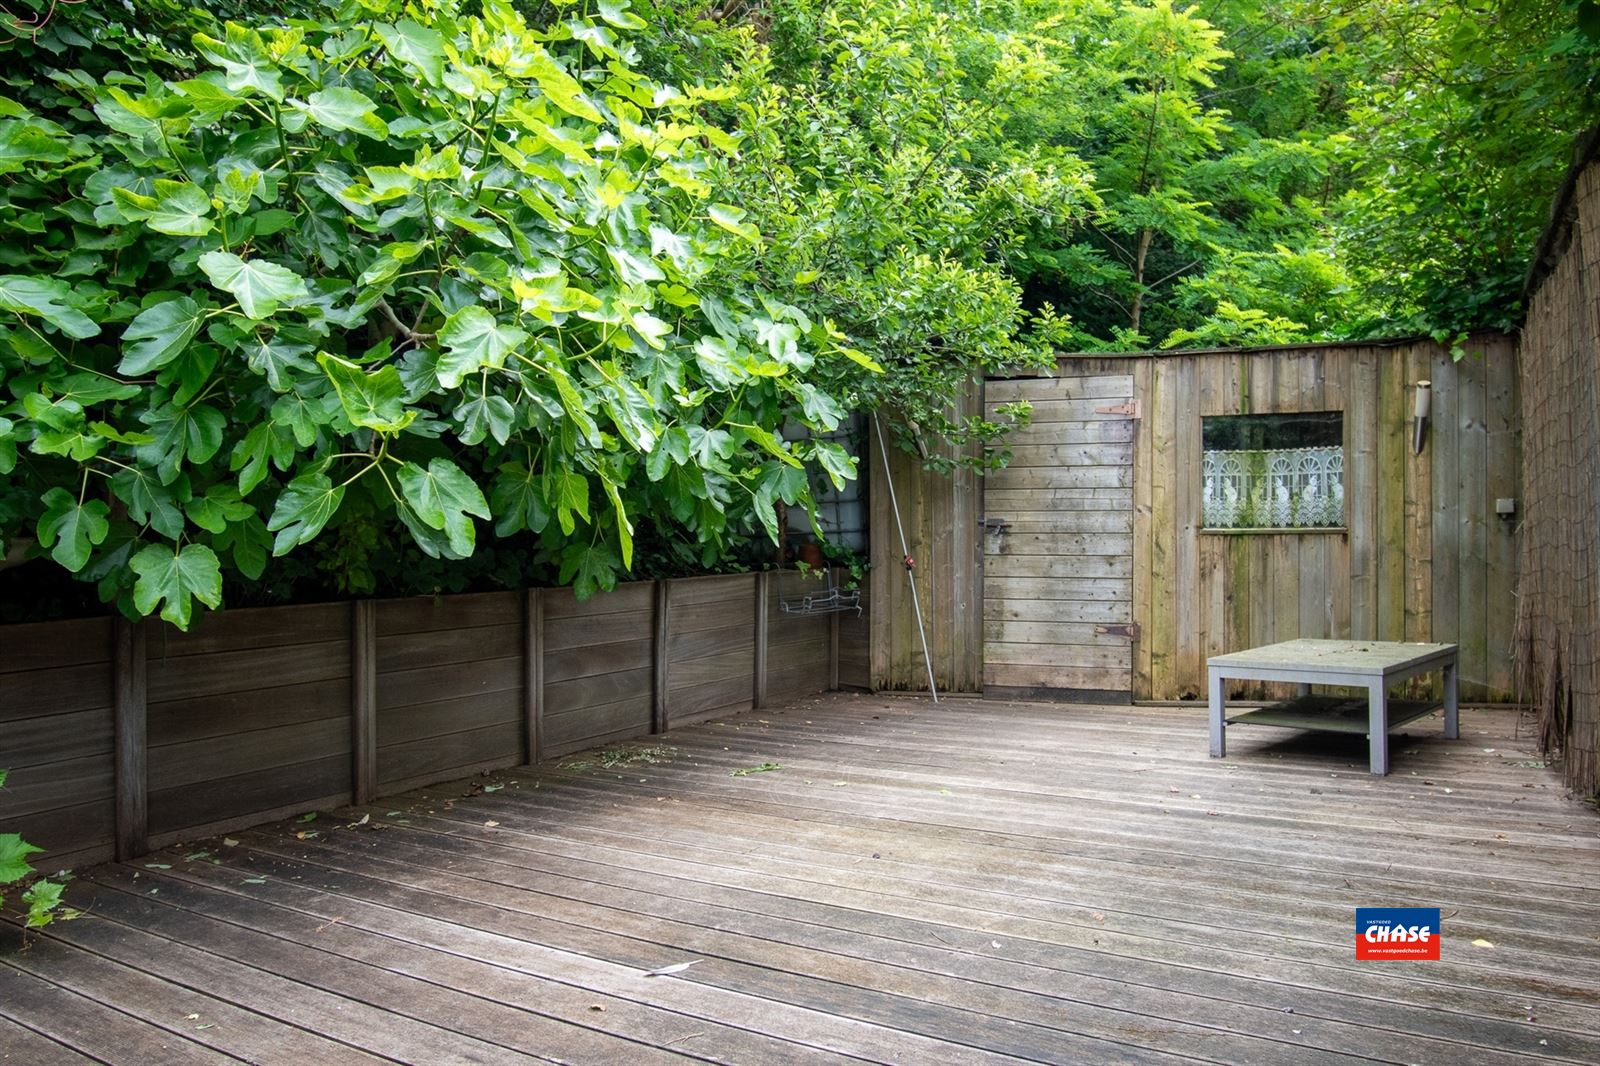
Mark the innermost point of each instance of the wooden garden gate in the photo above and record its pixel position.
(1058, 542)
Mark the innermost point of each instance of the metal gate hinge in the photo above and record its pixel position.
(1130, 409)
(1131, 631)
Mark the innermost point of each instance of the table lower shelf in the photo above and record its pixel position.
(1332, 714)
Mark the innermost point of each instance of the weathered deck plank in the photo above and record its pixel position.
(1084, 884)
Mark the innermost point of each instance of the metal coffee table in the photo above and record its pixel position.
(1370, 664)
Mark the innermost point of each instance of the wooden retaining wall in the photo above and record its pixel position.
(125, 737)
(1558, 624)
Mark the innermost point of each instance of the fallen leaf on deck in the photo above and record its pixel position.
(255, 880)
(490, 825)
(497, 788)
(156, 866)
(596, 1006)
(1099, 917)
(1481, 943)
(310, 817)
(766, 767)
(229, 842)
(668, 971)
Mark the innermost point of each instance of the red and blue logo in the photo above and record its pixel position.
(1390, 933)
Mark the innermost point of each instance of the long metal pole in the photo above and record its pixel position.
(905, 553)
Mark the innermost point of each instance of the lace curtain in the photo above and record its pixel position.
(1280, 488)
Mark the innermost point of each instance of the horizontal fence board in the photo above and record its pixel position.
(1017, 543)
(1003, 675)
(629, 596)
(420, 721)
(1099, 386)
(243, 670)
(52, 645)
(38, 742)
(684, 647)
(193, 807)
(254, 627)
(1097, 657)
(58, 784)
(592, 691)
(426, 614)
(176, 765)
(595, 660)
(691, 673)
(1068, 478)
(797, 677)
(1033, 588)
(572, 747)
(1081, 410)
(402, 688)
(717, 588)
(405, 651)
(1049, 568)
(1019, 610)
(695, 617)
(1077, 633)
(584, 631)
(56, 690)
(729, 696)
(998, 503)
(1023, 523)
(1051, 456)
(71, 835)
(176, 721)
(455, 755)
(811, 640)
(1046, 433)
(607, 719)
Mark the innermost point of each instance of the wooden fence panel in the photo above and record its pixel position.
(56, 738)
(711, 655)
(449, 687)
(1422, 555)
(597, 667)
(248, 717)
(798, 646)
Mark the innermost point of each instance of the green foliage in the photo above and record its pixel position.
(874, 161)
(398, 265)
(1466, 116)
(322, 294)
(42, 897)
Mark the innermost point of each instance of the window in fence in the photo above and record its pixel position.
(1273, 471)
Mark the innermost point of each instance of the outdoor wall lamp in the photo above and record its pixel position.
(1419, 420)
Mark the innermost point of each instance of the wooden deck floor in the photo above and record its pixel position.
(968, 883)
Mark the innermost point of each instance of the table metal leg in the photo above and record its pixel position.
(1219, 745)
(1378, 727)
(1452, 710)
